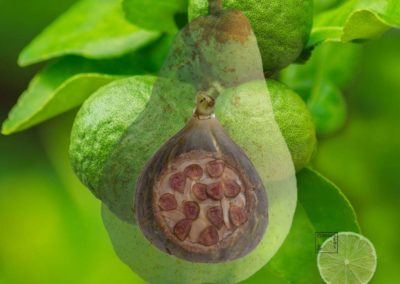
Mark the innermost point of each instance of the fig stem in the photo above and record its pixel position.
(206, 100)
(214, 7)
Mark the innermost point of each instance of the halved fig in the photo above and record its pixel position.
(221, 208)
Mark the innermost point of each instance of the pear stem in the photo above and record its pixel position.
(206, 100)
(214, 7)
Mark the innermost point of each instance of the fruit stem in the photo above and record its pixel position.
(214, 7)
(206, 100)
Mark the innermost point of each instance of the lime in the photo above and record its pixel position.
(282, 27)
(295, 121)
(100, 123)
(347, 258)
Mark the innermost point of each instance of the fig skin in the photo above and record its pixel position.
(207, 136)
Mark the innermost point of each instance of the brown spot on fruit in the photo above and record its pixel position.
(177, 182)
(167, 202)
(191, 209)
(182, 229)
(215, 191)
(194, 171)
(231, 188)
(215, 168)
(209, 236)
(215, 216)
(200, 191)
(237, 215)
(232, 26)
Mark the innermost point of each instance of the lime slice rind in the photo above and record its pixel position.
(354, 262)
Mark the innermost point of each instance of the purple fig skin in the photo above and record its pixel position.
(246, 226)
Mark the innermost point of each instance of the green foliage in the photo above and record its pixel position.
(159, 15)
(56, 89)
(105, 33)
(320, 80)
(323, 5)
(355, 20)
(68, 82)
(328, 108)
(319, 200)
(364, 158)
(55, 234)
(91, 28)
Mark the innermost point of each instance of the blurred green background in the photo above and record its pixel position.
(51, 230)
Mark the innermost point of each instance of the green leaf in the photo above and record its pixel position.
(60, 87)
(67, 83)
(323, 5)
(325, 205)
(355, 20)
(54, 90)
(320, 80)
(335, 62)
(322, 207)
(159, 15)
(328, 108)
(90, 28)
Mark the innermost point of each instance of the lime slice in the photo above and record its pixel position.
(347, 258)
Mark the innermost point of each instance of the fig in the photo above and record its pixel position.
(199, 197)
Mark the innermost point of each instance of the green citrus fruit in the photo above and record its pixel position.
(100, 124)
(347, 258)
(282, 27)
(295, 122)
(104, 117)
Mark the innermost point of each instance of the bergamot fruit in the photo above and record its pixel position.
(295, 121)
(282, 27)
(99, 125)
